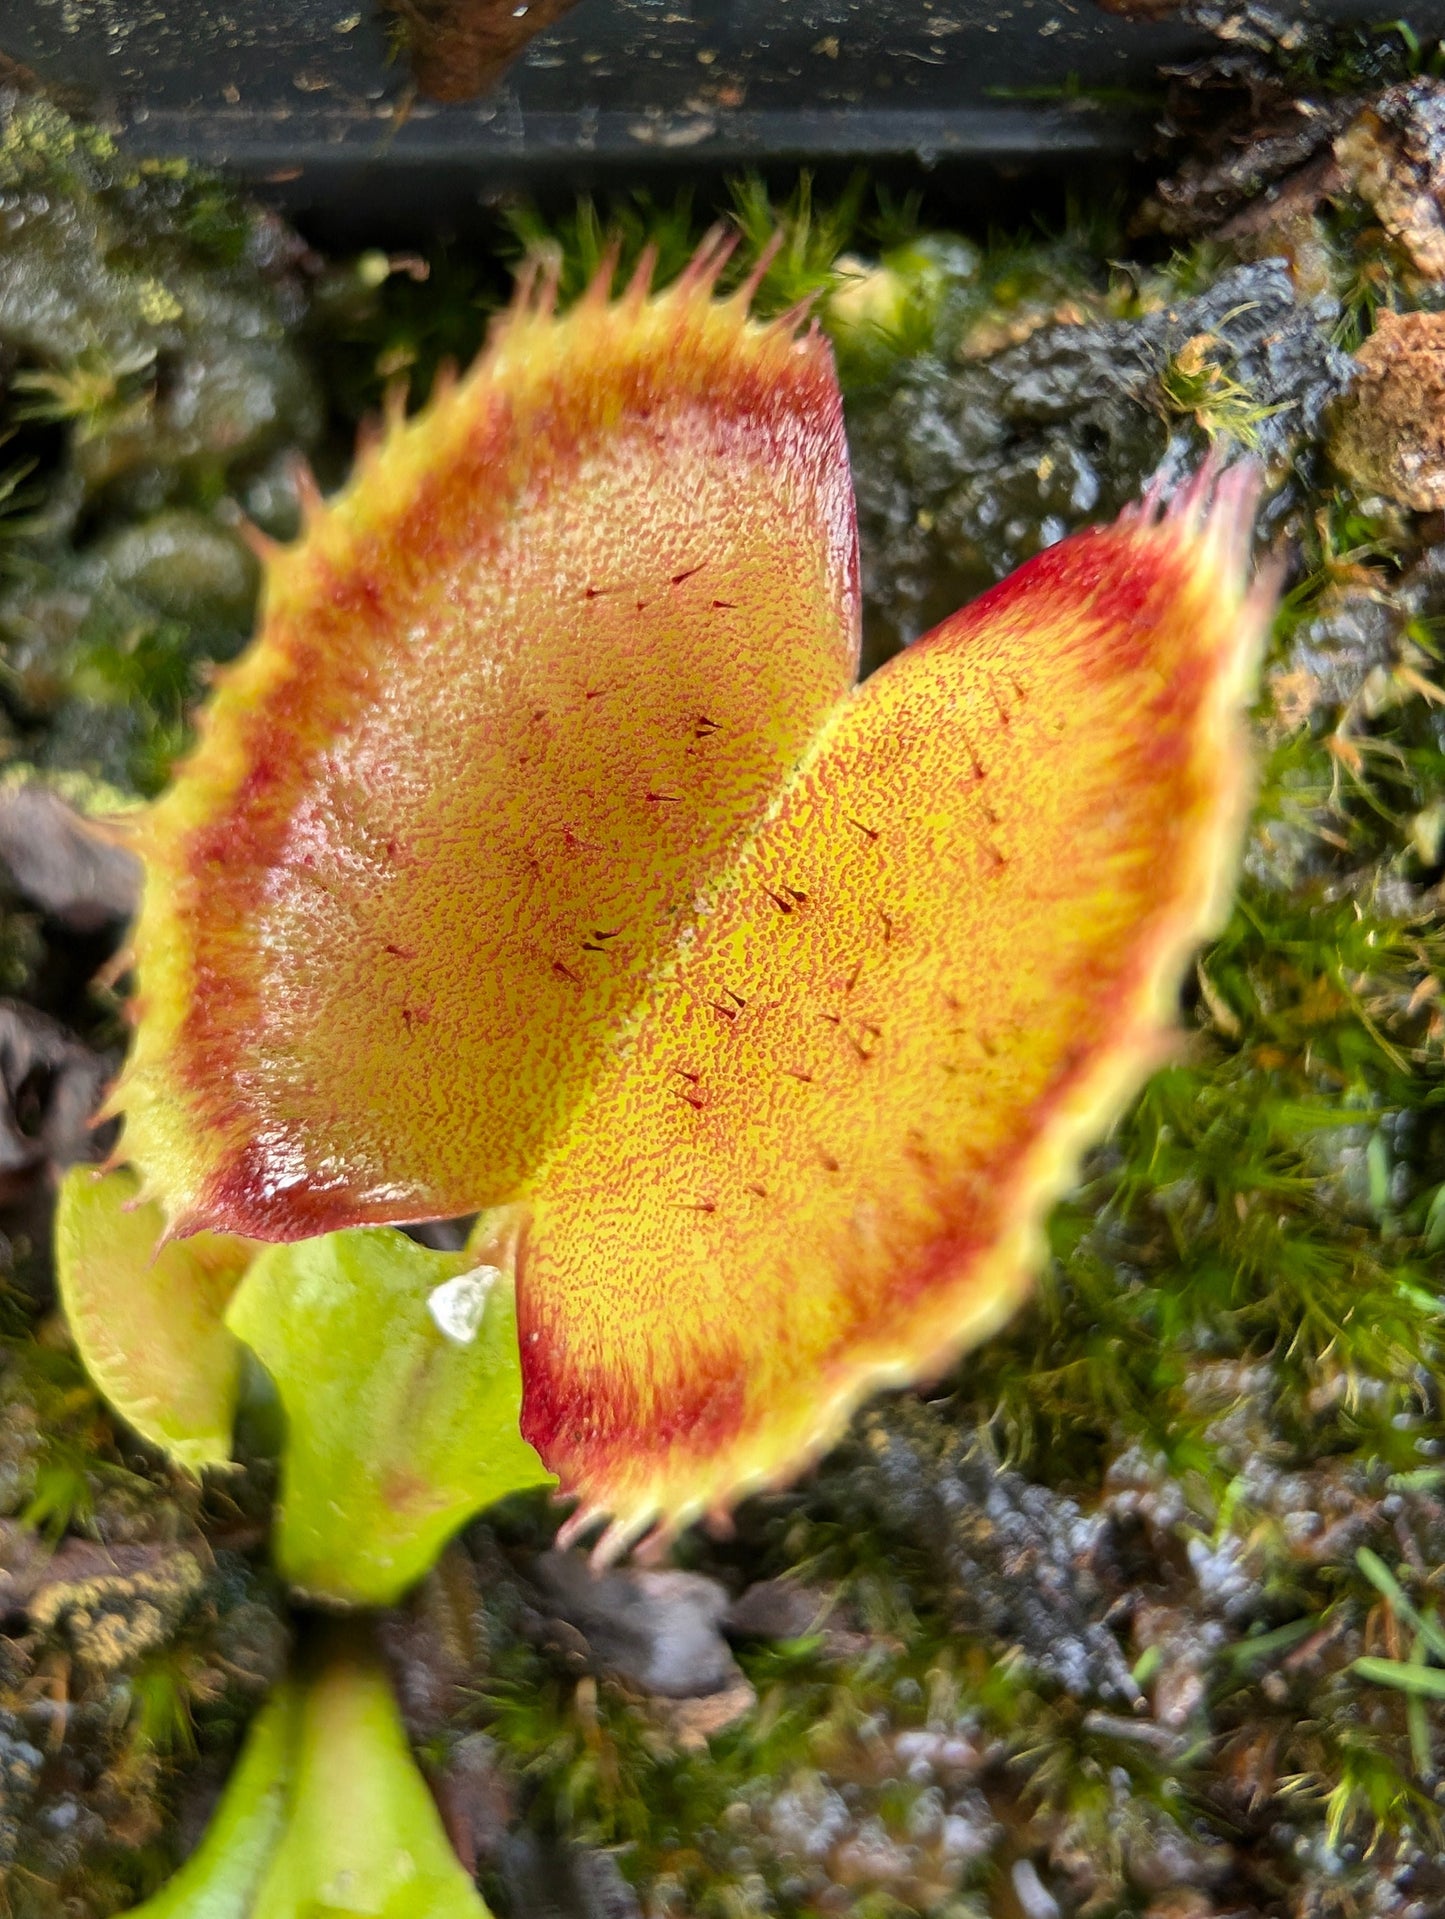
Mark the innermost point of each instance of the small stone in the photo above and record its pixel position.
(1032, 1894)
(50, 1086)
(60, 863)
(777, 1609)
(1389, 433)
(657, 1630)
(691, 1723)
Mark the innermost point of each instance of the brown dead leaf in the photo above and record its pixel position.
(459, 48)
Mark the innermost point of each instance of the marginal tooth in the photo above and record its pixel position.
(640, 285)
(308, 493)
(748, 291)
(261, 544)
(617, 1537)
(575, 1525)
(393, 405)
(599, 288)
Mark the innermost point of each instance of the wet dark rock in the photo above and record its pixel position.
(1250, 133)
(57, 861)
(659, 1631)
(964, 473)
(1284, 222)
(1019, 1560)
(1347, 644)
(1350, 667)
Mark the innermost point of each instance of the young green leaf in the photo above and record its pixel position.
(398, 1371)
(148, 1324)
(1385, 1583)
(326, 1815)
(1425, 1682)
(362, 1835)
(221, 1878)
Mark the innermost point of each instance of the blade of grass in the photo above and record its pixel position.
(1385, 1583)
(1416, 1722)
(1425, 1682)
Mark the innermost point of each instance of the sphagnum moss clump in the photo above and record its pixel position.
(1088, 1620)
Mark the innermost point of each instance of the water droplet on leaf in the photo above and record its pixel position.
(457, 1304)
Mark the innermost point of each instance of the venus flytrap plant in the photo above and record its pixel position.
(541, 859)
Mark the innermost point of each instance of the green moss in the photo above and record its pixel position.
(149, 380)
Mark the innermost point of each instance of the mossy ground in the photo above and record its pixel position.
(1091, 1612)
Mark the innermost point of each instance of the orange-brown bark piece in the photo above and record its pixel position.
(1388, 434)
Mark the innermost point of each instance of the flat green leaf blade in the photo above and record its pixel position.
(1386, 1584)
(363, 1836)
(398, 1371)
(149, 1324)
(220, 1879)
(1425, 1681)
